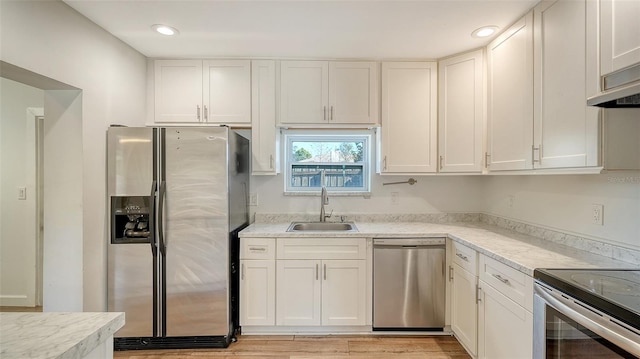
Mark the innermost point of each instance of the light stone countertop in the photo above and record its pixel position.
(55, 335)
(522, 252)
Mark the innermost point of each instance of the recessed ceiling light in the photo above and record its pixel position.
(484, 31)
(165, 30)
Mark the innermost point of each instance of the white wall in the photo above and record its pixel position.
(51, 39)
(430, 195)
(564, 202)
(17, 217)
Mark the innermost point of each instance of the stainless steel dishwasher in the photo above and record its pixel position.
(408, 283)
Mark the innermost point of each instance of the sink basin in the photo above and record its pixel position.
(322, 227)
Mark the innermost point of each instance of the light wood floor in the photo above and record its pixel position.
(20, 309)
(316, 347)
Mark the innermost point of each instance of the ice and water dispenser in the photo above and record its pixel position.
(131, 219)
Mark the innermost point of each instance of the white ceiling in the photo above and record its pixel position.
(427, 29)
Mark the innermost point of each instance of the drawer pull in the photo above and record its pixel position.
(463, 257)
(257, 249)
(499, 277)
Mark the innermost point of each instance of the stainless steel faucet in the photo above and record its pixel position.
(324, 200)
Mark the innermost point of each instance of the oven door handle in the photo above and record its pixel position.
(600, 325)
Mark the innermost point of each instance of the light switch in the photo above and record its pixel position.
(22, 193)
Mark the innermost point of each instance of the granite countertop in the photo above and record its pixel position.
(522, 252)
(55, 335)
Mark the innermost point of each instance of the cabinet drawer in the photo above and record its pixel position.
(465, 257)
(321, 248)
(258, 248)
(512, 283)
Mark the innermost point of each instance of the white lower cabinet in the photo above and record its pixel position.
(258, 281)
(505, 319)
(464, 311)
(257, 292)
(505, 328)
(304, 282)
(321, 292)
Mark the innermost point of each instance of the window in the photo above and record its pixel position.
(339, 160)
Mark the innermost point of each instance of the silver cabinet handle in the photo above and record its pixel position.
(206, 113)
(478, 290)
(450, 273)
(270, 161)
(324, 113)
(325, 272)
(486, 159)
(499, 277)
(533, 154)
(441, 159)
(257, 249)
(384, 162)
(242, 271)
(316, 271)
(462, 256)
(331, 114)
(198, 112)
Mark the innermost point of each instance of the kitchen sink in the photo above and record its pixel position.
(322, 227)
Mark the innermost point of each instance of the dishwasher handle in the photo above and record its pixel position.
(408, 242)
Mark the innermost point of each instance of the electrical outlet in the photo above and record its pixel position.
(22, 193)
(510, 199)
(395, 197)
(253, 199)
(597, 214)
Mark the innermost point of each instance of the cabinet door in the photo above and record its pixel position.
(298, 291)
(409, 113)
(304, 91)
(461, 113)
(258, 292)
(353, 92)
(510, 95)
(344, 287)
(464, 310)
(227, 92)
(565, 128)
(264, 135)
(505, 329)
(619, 34)
(178, 91)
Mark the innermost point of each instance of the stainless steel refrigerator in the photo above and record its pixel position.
(177, 198)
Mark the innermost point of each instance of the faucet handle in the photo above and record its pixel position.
(329, 215)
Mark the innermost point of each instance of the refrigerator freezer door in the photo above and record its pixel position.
(196, 231)
(130, 161)
(130, 266)
(130, 288)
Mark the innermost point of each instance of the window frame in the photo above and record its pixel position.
(356, 135)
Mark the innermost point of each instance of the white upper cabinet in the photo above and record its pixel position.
(353, 92)
(409, 118)
(323, 92)
(178, 91)
(196, 91)
(227, 91)
(461, 113)
(264, 134)
(619, 34)
(565, 128)
(510, 96)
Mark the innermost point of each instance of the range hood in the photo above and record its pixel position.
(619, 89)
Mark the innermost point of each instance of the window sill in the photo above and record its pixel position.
(331, 194)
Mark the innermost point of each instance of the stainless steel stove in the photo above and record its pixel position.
(592, 313)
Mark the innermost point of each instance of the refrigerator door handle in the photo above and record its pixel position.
(152, 213)
(163, 190)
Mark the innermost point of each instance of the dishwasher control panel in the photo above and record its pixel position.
(408, 241)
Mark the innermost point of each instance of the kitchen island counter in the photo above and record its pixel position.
(522, 252)
(58, 335)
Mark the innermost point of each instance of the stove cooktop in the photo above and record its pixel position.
(613, 291)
